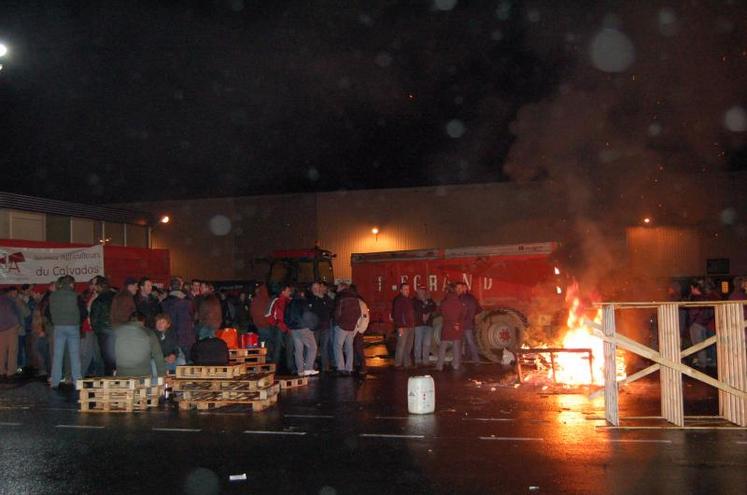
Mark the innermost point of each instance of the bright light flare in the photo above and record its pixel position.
(375, 231)
(3, 49)
(647, 220)
(165, 219)
(556, 270)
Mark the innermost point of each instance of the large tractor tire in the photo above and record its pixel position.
(499, 329)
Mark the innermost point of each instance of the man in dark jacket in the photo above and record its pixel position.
(323, 307)
(65, 313)
(123, 304)
(424, 308)
(102, 324)
(471, 309)
(172, 354)
(700, 319)
(403, 316)
(347, 313)
(146, 302)
(301, 320)
(10, 322)
(180, 310)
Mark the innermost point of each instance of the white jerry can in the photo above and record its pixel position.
(421, 395)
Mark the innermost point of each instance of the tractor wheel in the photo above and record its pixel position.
(499, 329)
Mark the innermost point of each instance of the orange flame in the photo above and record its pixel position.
(574, 368)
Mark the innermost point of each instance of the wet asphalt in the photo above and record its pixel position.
(355, 436)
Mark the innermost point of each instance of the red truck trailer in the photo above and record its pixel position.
(518, 286)
(119, 262)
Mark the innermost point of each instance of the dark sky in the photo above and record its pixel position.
(107, 101)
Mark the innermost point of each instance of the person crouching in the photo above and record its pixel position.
(134, 348)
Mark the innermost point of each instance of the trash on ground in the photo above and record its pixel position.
(237, 477)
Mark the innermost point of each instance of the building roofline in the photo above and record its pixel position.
(65, 208)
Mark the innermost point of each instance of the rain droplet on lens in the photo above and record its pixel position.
(220, 225)
(455, 128)
(735, 119)
(611, 51)
(503, 12)
(313, 174)
(728, 216)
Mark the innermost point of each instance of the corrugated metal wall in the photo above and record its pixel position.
(445, 217)
(454, 216)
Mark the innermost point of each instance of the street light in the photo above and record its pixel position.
(3, 52)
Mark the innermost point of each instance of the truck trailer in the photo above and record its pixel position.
(519, 286)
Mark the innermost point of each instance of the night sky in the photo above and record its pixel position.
(106, 102)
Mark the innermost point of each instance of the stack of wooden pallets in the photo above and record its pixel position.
(254, 356)
(119, 394)
(215, 387)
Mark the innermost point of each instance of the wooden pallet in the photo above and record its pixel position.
(209, 372)
(253, 351)
(118, 382)
(260, 368)
(93, 394)
(117, 405)
(287, 382)
(246, 383)
(230, 395)
(247, 359)
(207, 405)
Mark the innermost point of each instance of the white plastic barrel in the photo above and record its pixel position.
(421, 395)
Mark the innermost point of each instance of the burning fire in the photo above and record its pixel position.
(573, 368)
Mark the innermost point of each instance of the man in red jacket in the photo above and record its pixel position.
(453, 313)
(403, 315)
(277, 317)
(347, 313)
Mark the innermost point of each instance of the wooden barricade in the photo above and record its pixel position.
(254, 356)
(118, 394)
(288, 382)
(731, 350)
(213, 387)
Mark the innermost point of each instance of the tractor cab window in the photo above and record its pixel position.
(305, 272)
(279, 276)
(325, 271)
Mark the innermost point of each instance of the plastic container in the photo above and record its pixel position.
(249, 340)
(229, 336)
(421, 395)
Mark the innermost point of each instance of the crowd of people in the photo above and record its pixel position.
(698, 323)
(142, 330)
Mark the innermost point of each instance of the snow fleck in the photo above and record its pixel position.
(313, 174)
(654, 129)
(220, 225)
(383, 59)
(445, 4)
(455, 128)
(612, 51)
(735, 119)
